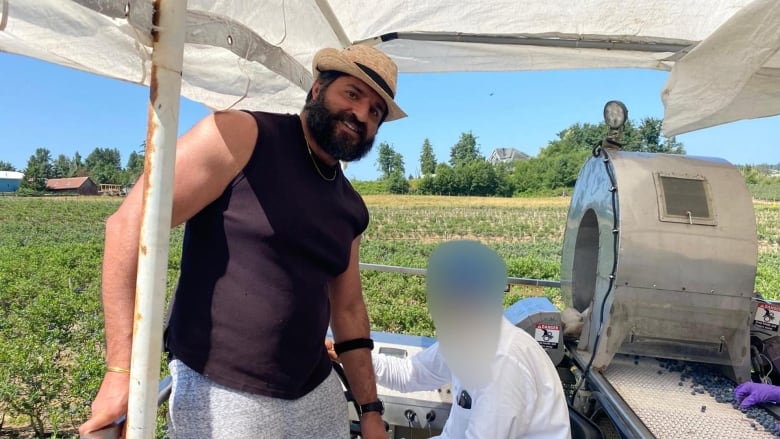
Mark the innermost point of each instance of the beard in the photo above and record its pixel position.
(322, 124)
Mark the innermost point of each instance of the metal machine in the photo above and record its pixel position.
(662, 249)
(660, 255)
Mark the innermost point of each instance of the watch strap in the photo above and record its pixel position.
(374, 406)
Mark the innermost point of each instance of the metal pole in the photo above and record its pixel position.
(572, 41)
(168, 34)
(333, 21)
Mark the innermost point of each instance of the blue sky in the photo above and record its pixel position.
(65, 110)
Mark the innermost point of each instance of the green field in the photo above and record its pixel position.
(50, 257)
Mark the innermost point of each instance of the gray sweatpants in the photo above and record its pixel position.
(201, 409)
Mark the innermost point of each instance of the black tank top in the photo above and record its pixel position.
(251, 309)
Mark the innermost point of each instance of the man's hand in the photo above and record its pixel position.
(372, 426)
(110, 403)
(331, 348)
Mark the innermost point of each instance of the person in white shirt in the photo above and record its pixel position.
(504, 384)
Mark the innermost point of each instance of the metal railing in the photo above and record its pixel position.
(422, 272)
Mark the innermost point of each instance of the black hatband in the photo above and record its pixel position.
(378, 79)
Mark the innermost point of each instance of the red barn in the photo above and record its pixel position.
(74, 185)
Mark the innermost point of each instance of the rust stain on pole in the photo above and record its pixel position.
(151, 132)
(150, 123)
(150, 145)
(168, 35)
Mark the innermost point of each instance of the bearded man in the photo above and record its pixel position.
(270, 258)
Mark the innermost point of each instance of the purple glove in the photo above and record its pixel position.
(750, 394)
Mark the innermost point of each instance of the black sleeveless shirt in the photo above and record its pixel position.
(251, 309)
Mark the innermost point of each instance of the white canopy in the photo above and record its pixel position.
(723, 54)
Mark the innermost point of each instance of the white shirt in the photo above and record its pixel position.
(523, 400)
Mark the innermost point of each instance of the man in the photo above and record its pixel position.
(270, 257)
(503, 383)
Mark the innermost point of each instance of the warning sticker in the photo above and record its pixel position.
(767, 316)
(548, 336)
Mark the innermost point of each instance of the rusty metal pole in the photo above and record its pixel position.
(164, 94)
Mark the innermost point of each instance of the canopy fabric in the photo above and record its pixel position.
(723, 54)
(733, 74)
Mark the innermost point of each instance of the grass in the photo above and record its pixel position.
(404, 229)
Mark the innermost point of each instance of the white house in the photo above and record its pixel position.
(506, 155)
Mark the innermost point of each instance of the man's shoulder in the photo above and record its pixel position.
(271, 116)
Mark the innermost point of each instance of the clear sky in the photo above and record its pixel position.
(64, 110)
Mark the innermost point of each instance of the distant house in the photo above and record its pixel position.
(10, 180)
(506, 155)
(75, 185)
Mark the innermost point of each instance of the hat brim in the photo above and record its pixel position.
(331, 59)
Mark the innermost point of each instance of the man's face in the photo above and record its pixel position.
(468, 333)
(344, 116)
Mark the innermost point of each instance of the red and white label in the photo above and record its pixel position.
(548, 336)
(767, 316)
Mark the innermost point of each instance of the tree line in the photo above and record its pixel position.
(553, 170)
(467, 172)
(102, 165)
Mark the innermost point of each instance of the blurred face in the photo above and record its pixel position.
(468, 332)
(344, 116)
(465, 283)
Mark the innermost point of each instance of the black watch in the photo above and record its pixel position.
(376, 406)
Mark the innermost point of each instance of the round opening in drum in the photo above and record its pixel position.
(586, 258)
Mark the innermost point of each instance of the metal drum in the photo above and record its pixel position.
(662, 249)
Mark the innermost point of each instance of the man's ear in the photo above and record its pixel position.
(315, 89)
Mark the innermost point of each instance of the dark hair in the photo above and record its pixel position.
(325, 80)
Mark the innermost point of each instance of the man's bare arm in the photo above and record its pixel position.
(208, 157)
(349, 320)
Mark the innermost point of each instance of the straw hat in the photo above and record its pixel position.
(369, 65)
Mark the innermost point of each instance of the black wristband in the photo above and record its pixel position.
(350, 345)
(375, 406)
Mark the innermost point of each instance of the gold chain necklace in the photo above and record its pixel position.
(316, 166)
